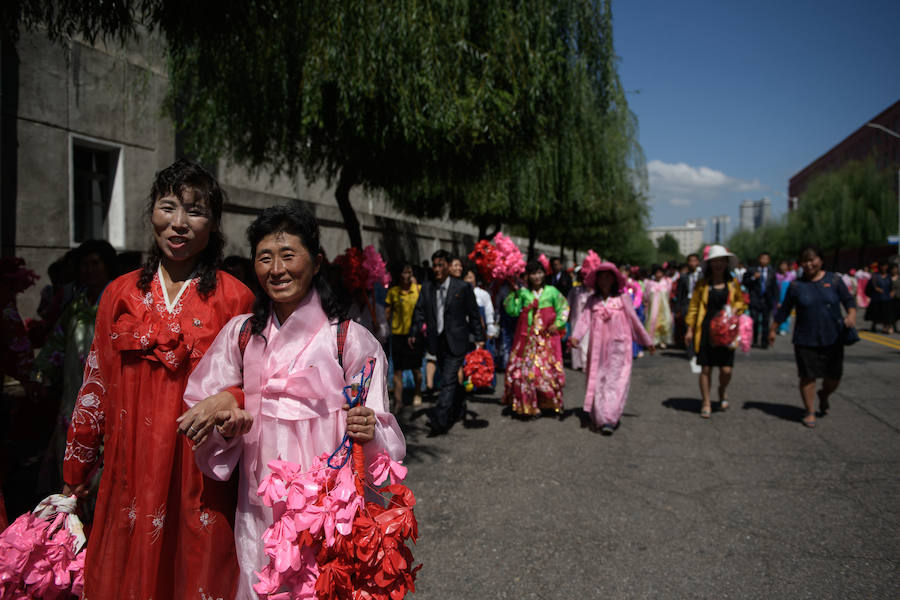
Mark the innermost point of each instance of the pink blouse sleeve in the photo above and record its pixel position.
(360, 346)
(219, 369)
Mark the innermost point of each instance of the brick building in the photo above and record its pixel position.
(865, 142)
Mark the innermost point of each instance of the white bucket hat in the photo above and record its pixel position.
(719, 251)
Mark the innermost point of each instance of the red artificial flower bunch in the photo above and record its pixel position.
(479, 368)
(373, 561)
(484, 255)
(353, 273)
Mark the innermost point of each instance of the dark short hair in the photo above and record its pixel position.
(694, 254)
(441, 254)
(763, 253)
(533, 266)
(104, 250)
(294, 219)
(809, 249)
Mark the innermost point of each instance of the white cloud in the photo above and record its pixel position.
(666, 178)
(679, 202)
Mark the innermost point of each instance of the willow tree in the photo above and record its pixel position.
(584, 171)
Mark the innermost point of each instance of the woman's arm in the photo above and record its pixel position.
(561, 306)
(209, 403)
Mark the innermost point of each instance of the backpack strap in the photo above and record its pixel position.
(244, 336)
(343, 327)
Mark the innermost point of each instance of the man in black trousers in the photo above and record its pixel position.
(448, 309)
(763, 289)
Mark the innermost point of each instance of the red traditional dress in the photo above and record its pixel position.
(161, 528)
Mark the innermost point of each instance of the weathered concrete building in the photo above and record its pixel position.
(83, 134)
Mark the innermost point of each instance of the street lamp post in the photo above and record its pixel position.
(896, 135)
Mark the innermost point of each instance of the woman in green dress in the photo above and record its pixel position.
(534, 374)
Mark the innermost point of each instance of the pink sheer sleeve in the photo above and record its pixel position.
(218, 370)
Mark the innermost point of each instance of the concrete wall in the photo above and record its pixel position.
(114, 96)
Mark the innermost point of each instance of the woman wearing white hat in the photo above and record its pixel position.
(716, 289)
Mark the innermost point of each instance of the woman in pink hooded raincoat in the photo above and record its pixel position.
(613, 324)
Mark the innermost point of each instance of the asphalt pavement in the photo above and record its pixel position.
(747, 504)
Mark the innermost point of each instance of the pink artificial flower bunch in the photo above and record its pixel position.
(509, 261)
(589, 265)
(41, 553)
(375, 268)
(327, 542)
(545, 263)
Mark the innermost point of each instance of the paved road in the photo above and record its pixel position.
(748, 504)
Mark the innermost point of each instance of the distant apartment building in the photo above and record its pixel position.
(755, 213)
(689, 236)
(869, 140)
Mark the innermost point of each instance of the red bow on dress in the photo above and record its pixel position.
(151, 342)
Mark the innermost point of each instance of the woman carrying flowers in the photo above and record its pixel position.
(534, 375)
(285, 356)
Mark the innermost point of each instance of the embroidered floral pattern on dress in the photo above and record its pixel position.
(88, 411)
(131, 514)
(206, 519)
(157, 522)
(205, 596)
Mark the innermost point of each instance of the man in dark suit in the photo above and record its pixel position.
(449, 311)
(559, 277)
(763, 289)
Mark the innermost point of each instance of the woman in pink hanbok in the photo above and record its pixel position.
(659, 314)
(862, 280)
(613, 324)
(286, 358)
(578, 297)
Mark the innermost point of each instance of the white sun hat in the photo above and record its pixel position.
(719, 251)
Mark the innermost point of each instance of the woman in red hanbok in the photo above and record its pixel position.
(161, 529)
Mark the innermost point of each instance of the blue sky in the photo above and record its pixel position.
(733, 98)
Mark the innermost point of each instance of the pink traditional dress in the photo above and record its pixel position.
(578, 297)
(293, 387)
(659, 318)
(612, 324)
(534, 375)
(862, 280)
(161, 529)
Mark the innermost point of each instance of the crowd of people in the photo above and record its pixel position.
(221, 366)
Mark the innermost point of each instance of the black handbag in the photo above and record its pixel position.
(847, 335)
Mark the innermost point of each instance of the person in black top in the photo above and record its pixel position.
(450, 313)
(763, 289)
(817, 344)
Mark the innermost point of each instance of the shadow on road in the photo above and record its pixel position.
(685, 404)
(788, 412)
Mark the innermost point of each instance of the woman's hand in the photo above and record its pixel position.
(772, 334)
(230, 423)
(197, 423)
(689, 336)
(360, 423)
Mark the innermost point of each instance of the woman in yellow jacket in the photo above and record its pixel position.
(713, 292)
